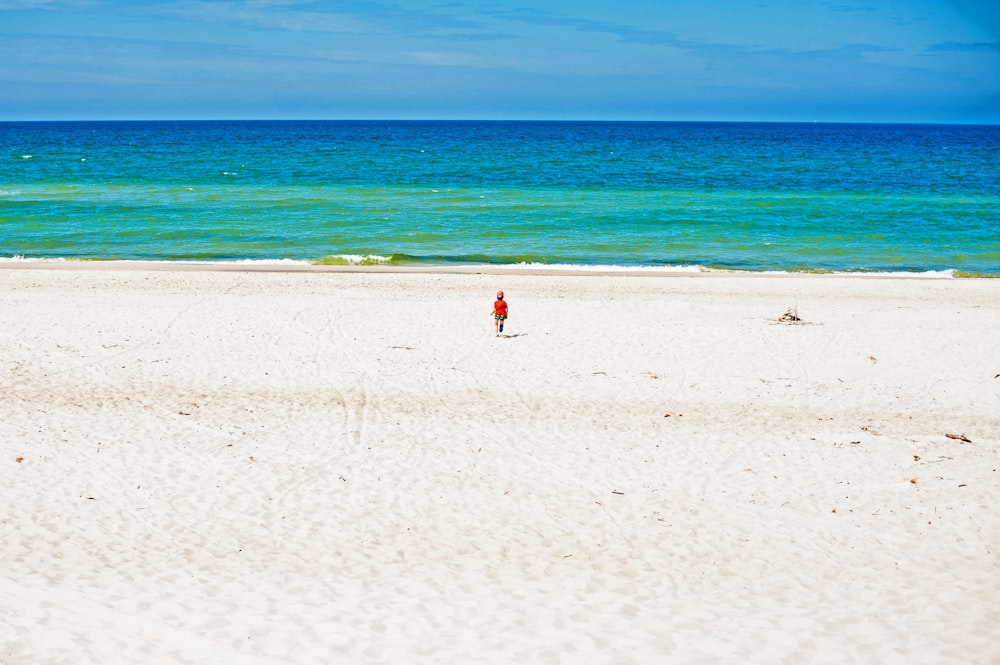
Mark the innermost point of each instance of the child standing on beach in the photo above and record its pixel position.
(499, 313)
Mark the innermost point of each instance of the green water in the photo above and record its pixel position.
(720, 195)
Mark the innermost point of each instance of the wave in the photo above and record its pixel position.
(358, 260)
(407, 260)
(17, 258)
(180, 262)
(574, 265)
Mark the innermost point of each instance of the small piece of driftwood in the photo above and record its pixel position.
(791, 315)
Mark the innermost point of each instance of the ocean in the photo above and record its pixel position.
(597, 195)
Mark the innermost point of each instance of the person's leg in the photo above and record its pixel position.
(501, 325)
(496, 326)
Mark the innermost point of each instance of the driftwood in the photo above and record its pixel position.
(791, 318)
(791, 315)
(959, 437)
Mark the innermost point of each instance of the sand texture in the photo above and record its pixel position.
(203, 466)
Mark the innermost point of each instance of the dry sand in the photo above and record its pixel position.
(202, 466)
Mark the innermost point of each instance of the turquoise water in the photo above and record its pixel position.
(793, 197)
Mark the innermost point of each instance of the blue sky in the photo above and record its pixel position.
(837, 60)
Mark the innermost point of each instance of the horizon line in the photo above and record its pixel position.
(509, 120)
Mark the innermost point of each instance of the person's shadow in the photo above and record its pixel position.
(507, 336)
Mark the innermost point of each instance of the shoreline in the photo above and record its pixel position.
(291, 266)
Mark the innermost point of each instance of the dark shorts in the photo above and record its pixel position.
(499, 317)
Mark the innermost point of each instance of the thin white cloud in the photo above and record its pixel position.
(27, 5)
(266, 15)
(342, 18)
(448, 59)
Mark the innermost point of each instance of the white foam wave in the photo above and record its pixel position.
(574, 267)
(688, 269)
(363, 259)
(18, 258)
(266, 262)
(375, 259)
(930, 274)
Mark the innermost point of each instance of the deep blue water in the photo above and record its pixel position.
(747, 196)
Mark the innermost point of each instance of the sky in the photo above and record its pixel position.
(930, 61)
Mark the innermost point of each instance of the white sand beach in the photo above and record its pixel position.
(238, 466)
